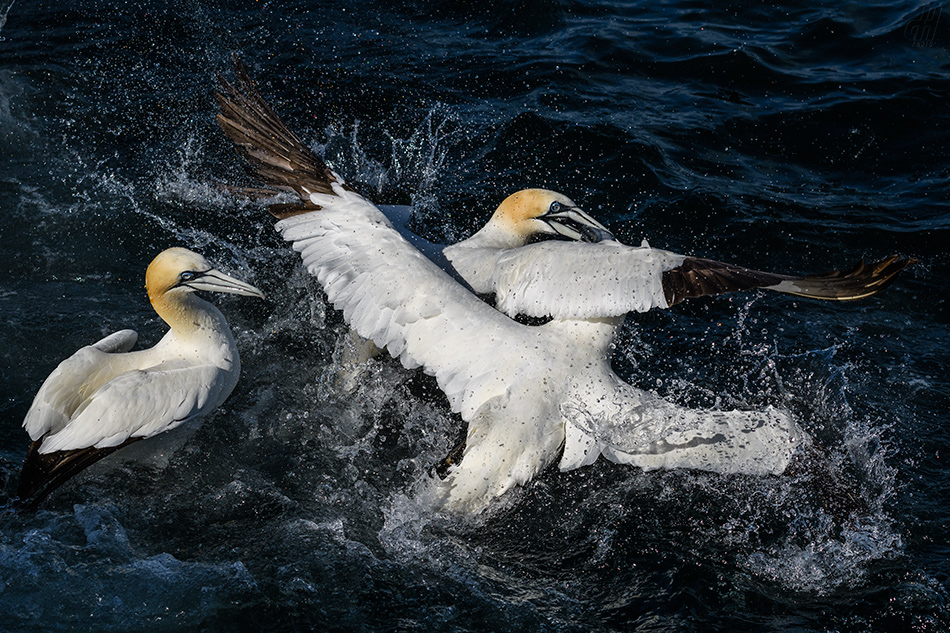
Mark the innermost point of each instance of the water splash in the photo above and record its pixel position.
(413, 171)
(827, 561)
(3, 16)
(178, 182)
(116, 584)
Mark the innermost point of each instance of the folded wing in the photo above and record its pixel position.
(73, 381)
(111, 410)
(140, 403)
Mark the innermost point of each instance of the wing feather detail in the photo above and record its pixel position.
(273, 153)
(118, 405)
(161, 400)
(581, 279)
(73, 380)
(395, 296)
(697, 277)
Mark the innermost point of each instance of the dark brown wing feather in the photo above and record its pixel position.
(280, 159)
(274, 154)
(696, 277)
(44, 473)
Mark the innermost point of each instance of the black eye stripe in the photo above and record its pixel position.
(188, 276)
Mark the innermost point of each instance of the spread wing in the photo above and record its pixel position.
(581, 279)
(585, 280)
(389, 292)
(550, 279)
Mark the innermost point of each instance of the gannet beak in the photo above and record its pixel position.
(574, 224)
(216, 281)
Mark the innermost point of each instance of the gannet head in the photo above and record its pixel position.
(533, 214)
(177, 272)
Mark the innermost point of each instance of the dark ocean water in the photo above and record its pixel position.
(795, 137)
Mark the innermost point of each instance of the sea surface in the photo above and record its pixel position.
(787, 136)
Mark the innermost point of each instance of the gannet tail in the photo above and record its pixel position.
(696, 277)
(44, 473)
(273, 153)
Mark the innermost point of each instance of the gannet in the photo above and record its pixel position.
(105, 396)
(597, 276)
(527, 393)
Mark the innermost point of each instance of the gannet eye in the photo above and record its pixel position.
(187, 276)
(555, 207)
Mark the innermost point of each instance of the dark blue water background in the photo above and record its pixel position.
(796, 137)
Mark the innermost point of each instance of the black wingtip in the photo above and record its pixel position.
(273, 153)
(696, 277)
(862, 281)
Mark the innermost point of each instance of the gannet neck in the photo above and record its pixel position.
(495, 235)
(171, 281)
(188, 315)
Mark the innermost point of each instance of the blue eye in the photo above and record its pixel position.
(187, 276)
(555, 207)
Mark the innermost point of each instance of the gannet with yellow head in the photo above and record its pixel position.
(527, 393)
(532, 214)
(523, 218)
(105, 396)
(592, 275)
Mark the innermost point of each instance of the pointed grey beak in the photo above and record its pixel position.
(574, 224)
(216, 281)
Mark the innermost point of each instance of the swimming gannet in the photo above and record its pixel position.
(526, 392)
(105, 396)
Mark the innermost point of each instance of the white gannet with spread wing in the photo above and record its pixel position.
(105, 396)
(525, 391)
(596, 276)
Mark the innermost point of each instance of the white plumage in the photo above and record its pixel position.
(525, 392)
(575, 280)
(104, 396)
